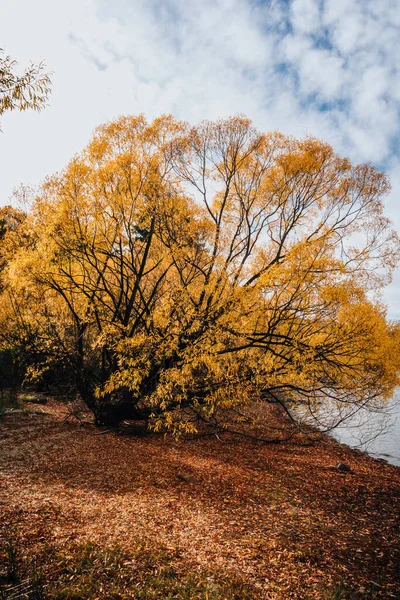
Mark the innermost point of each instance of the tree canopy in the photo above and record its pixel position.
(175, 273)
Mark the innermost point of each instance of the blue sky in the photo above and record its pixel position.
(324, 67)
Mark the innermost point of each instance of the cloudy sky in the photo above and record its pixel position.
(324, 67)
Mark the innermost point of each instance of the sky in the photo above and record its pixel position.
(329, 68)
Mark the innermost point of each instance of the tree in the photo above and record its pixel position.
(10, 221)
(10, 225)
(22, 92)
(183, 271)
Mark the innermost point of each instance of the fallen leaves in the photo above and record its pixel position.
(293, 530)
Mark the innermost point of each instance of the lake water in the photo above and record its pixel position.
(377, 433)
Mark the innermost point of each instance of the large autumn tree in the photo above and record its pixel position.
(184, 271)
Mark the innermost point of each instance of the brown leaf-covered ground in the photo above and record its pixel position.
(237, 518)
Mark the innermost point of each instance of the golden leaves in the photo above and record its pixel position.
(197, 267)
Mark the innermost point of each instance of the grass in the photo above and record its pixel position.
(88, 572)
(8, 399)
(341, 591)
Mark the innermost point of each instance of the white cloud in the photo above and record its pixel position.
(320, 71)
(305, 16)
(346, 22)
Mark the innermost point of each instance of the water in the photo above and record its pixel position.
(377, 433)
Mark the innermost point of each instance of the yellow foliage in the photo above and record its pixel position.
(185, 271)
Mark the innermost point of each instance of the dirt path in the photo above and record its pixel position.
(280, 517)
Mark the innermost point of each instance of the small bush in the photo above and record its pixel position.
(8, 399)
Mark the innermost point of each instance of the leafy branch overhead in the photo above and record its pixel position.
(174, 273)
(22, 92)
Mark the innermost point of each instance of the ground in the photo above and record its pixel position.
(92, 513)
